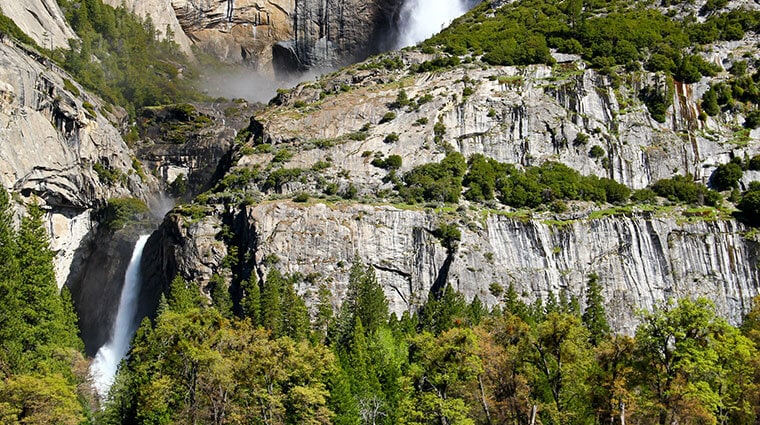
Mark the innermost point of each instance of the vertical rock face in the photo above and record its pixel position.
(162, 15)
(52, 146)
(59, 149)
(286, 34)
(641, 259)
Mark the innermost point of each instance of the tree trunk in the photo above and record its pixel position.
(483, 399)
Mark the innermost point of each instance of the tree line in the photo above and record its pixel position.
(268, 359)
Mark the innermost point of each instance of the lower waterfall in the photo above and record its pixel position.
(103, 368)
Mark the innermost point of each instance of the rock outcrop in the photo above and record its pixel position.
(518, 115)
(641, 258)
(42, 20)
(287, 36)
(59, 147)
(162, 15)
(329, 132)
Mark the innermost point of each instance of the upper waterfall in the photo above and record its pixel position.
(420, 19)
(103, 368)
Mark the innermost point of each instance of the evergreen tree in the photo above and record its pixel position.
(324, 315)
(295, 315)
(10, 322)
(220, 295)
(183, 296)
(251, 302)
(365, 297)
(271, 302)
(595, 316)
(358, 362)
(341, 400)
(46, 321)
(443, 311)
(515, 305)
(476, 311)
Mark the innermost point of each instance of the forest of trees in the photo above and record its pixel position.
(267, 359)
(43, 371)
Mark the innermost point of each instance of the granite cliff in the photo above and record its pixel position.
(276, 36)
(328, 133)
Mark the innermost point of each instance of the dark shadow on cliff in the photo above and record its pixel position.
(96, 286)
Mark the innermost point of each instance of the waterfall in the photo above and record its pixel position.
(420, 19)
(103, 368)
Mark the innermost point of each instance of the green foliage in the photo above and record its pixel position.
(132, 68)
(220, 295)
(393, 162)
(183, 296)
(658, 98)
(690, 359)
(443, 310)
(596, 151)
(684, 189)
(402, 100)
(449, 235)
(440, 182)
(108, 175)
(391, 138)
(251, 299)
(726, 176)
(365, 299)
(39, 342)
(388, 117)
(120, 211)
(278, 178)
(749, 204)
(9, 28)
(710, 103)
(439, 63)
(595, 316)
(752, 120)
(195, 366)
(70, 87)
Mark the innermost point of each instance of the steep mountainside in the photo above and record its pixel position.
(283, 36)
(344, 149)
(60, 148)
(42, 20)
(162, 15)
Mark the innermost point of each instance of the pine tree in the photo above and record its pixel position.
(324, 316)
(366, 298)
(251, 302)
(341, 400)
(476, 311)
(271, 302)
(595, 316)
(46, 326)
(443, 311)
(220, 295)
(183, 296)
(10, 319)
(295, 315)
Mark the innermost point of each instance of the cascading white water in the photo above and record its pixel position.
(103, 368)
(422, 18)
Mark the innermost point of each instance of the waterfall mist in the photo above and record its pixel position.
(103, 368)
(420, 19)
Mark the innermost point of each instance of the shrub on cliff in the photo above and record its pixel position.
(684, 189)
(119, 211)
(726, 176)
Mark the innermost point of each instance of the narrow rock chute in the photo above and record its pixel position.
(103, 368)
